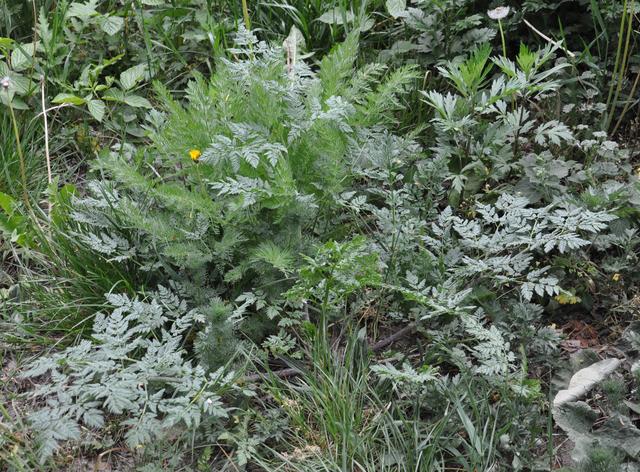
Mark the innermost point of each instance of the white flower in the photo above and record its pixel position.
(5, 82)
(498, 13)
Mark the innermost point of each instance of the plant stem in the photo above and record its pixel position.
(624, 63)
(245, 14)
(46, 140)
(617, 61)
(23, 172)
(147, 39)
(560, 44)
(504, 44)
(628, 104)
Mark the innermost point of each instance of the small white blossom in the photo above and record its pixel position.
(498, 13)
(5, 82)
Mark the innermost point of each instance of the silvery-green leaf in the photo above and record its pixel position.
(367, 25)
(82, 10)
(635, 407)
(396, 8)
(337, 16)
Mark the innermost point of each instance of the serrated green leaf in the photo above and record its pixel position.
(130, 77)
(137, 101)
(82, 10)
(44, 28)
(114, 95)
(97, 109)
(111, 24)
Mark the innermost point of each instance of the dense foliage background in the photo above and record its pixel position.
(319, 235)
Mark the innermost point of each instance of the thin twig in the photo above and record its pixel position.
(97, 466)
(547, 38)
(394, 337)
(282, 373)
(57, 107)
(228, 457)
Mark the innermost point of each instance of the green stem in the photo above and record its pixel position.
(146, 37)
(504, 44)
(245, 14)
(23, 171)
(623, 65)
(627, 104)
(617, 62)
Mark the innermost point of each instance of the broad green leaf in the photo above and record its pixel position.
(114, 95)
(22, 56)
(153, 3)
(68, 98)
(111, 24)
(16, 102)
(137, 101)
(130, 77)
(18, 83)
(396, 8)
(337, 16)
(6, 43)
(97, 109)
(7, 203)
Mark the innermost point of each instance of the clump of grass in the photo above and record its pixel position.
(338, 421)
(601, 460)
(621, 65)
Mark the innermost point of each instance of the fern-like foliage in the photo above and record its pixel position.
(134, 371)
(506, 253)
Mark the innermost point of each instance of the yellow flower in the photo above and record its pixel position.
(615, 277)
(195, 154)
(567, 299)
